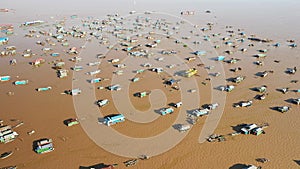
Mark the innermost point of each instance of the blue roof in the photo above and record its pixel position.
(2, 39)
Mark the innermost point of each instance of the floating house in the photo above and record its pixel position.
(77, 68)
(114, 119)
(93, 72)
(178, 104)
(251, 167)
(38, 61)
(115, 87)
(114, 60)
(75, 92)
(238, 79)
(187, 13)
(262, 89)
(71, 122)
(44, 88)
(135, 79)
(227, 88)
(170, 82)
(44, 146)
(4, 78)
(59, 65)
(157, 70)
(21, 82)
(102, 103)
(62, 73)
(96, 80)
(142, 94)
(190, 72)
(220, 58)
(200, 53)
(33, 23)
(7, 134)
(252, 129)
(184, 127)
(166, 111)
(200, 112)
(283, 109)
(296, 101)
(54, 54)
(3, 40)
(94, 63)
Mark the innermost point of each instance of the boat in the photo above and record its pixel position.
(184, 127)
(77, 68)
(72, 122)
(166, 111)
(21, 82)
(93, 72)
(44, 146)
(114, 119)
(260, 55)
(6, 154)
(73, 92)
(115, 87)
(200, 112)
(44, 88)
(102, 103)
(96, 80)
(94, 63)
(190, 72)
(9, 167)
(4, 78)
(33, 23)
(54, 54)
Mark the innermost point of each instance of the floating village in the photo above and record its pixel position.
(137, 53)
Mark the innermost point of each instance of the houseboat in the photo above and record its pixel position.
(4, 78)
(114, 119)
(21, 82)
(166, 111)
(44, 146)
(7, 134)
(44, 88)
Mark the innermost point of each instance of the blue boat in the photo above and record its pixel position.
(44, 88)
(4, 78)
(166, 111)
(54, 54)
(21, 82)
(96, 80)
